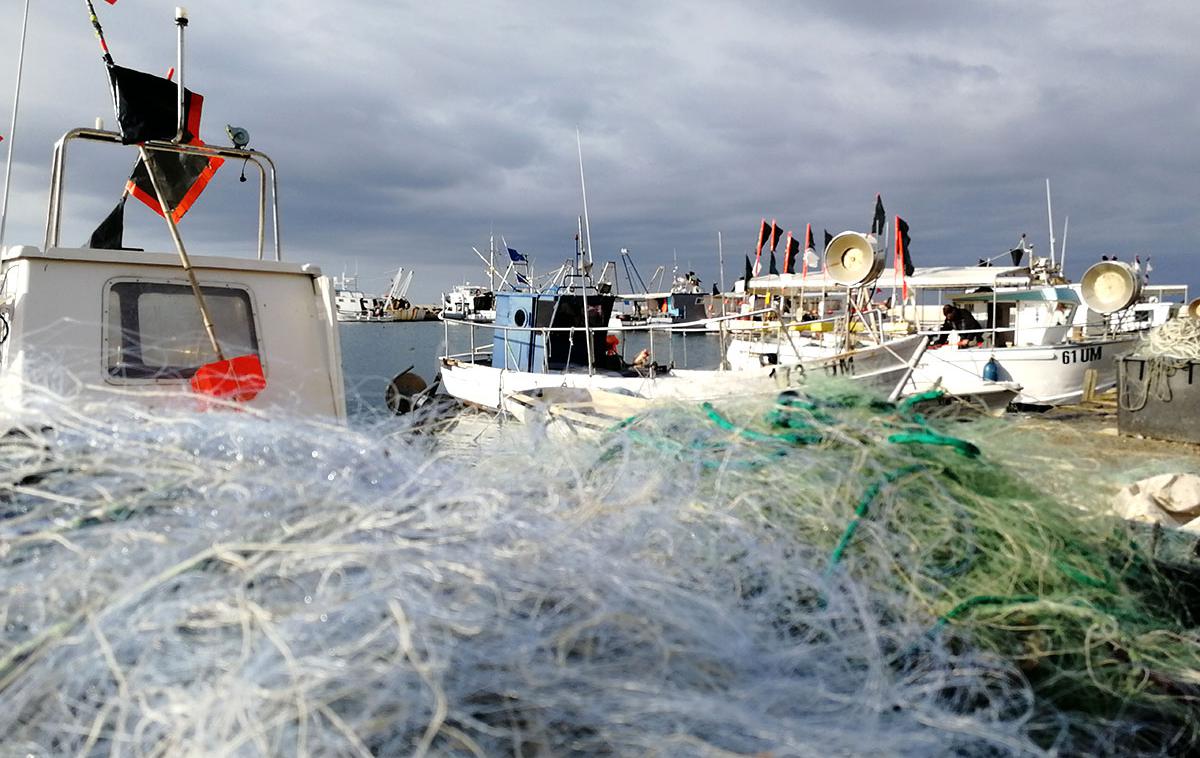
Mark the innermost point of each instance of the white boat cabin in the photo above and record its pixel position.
(126, 321)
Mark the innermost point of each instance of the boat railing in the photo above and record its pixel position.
(266, 170)
(486, 349)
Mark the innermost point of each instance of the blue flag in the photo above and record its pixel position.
(520, 278)
(516, 257)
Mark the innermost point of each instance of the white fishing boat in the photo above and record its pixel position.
(469, 302)
(354, 306)
(107, 320)
(556, 339)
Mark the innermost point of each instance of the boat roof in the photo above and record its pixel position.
(168, 260)
(929, 277)
(1062, 294)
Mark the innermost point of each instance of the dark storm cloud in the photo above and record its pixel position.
(406, 131)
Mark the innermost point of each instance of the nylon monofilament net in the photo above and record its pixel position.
(804, 577)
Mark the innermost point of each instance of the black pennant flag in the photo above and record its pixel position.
(111, 232)
(749, 272)
(880, 219)
(773, 269)
(828, 238)
(776, 234)
(902, 242)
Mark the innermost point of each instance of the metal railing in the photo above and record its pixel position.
(545, 332)
(266, 168)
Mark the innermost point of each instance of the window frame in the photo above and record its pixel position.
(173, 375)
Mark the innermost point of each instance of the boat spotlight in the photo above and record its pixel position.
(1111, 286)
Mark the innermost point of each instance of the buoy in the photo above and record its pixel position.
(991, 370)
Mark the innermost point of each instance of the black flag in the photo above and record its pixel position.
(880, 219)
(749, 272)
(902, 240)
(808, 239)
(764, 232)
(716, 290)
(828, 239)
(147, 106)
(791, 251)
(773, 269)
(111, 232)
(776, 234)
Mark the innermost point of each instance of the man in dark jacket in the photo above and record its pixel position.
(959, 320)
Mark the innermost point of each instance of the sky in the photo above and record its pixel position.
(406, 133)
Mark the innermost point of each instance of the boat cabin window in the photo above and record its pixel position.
(154, 330)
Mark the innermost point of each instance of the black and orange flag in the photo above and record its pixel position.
(902, 242)
(903, 263)
(810, 250)
(764, 232)
(146, 109)
(776, 235)
(791, 250)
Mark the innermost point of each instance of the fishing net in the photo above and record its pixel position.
(808, 576)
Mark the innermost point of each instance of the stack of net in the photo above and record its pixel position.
(811, 577)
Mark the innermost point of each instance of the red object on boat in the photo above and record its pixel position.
(239, 379)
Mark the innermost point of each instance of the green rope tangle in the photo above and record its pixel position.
(987, 555)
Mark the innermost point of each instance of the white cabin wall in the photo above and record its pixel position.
(57, 334)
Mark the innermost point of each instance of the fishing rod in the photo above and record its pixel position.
(12, 131)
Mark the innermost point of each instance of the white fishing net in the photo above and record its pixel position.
(175, 583)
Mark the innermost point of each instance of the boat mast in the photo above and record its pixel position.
(587, 229)
(721, 260)
(12, 131)
(1050, 219)
(492, 260)
(587, 224)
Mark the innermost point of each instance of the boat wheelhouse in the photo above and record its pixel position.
(125, 321)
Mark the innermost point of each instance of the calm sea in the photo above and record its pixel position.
(374, 353)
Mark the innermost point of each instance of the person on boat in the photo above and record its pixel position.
(959, 320)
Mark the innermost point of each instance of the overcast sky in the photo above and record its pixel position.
(404, 132)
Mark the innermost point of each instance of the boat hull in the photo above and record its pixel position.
(1047, 374)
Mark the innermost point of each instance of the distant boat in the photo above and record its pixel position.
(353, 305)
(469, 302)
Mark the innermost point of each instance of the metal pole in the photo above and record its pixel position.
(12, 131)
(587, 223)
(183, 256)
(181, 22)
(721, 261)
(1050, 219)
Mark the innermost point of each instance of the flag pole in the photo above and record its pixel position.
(12, 131)
(1050, 219)
(721, 262)
(181, 22)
